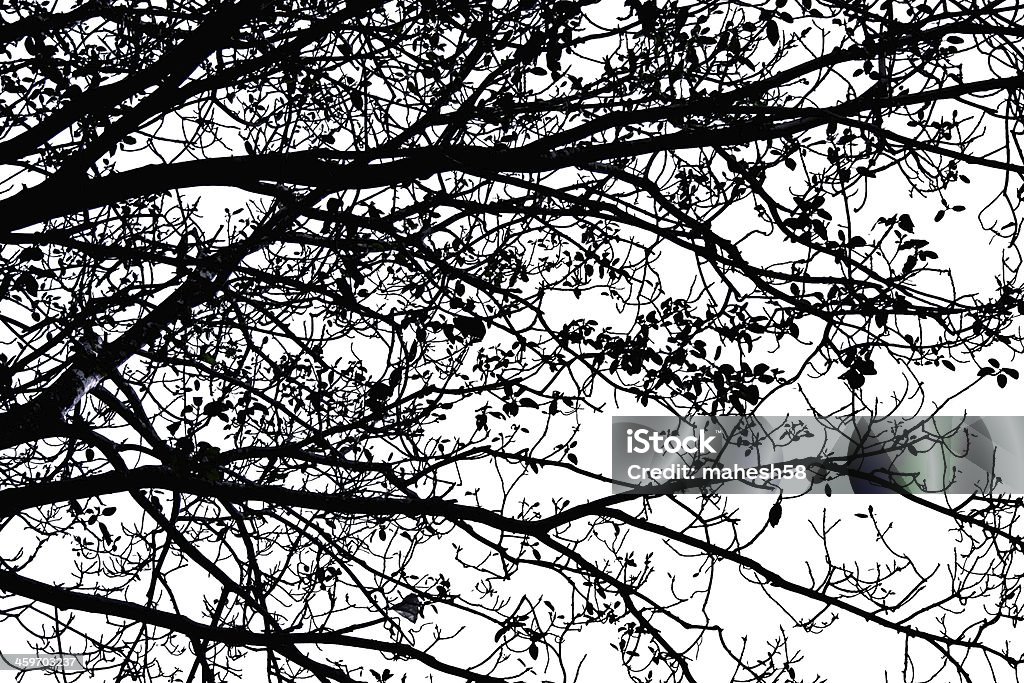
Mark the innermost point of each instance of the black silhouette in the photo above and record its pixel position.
(301, 301)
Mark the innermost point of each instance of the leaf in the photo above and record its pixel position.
(377, 395)
(408, 607)
(214, 408)
(27, 284)
(471, 327)
(534, 651)
(912, 244)
(31, 254)
(853, 378)
(773, 32)
(775, 514)
(750, 393)
(906, 223)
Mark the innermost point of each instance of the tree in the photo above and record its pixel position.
(302, 303)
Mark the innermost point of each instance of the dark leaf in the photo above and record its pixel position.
(27, 284)
(853, 378)
(31, 254)
(408, 607)
(471, 327)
